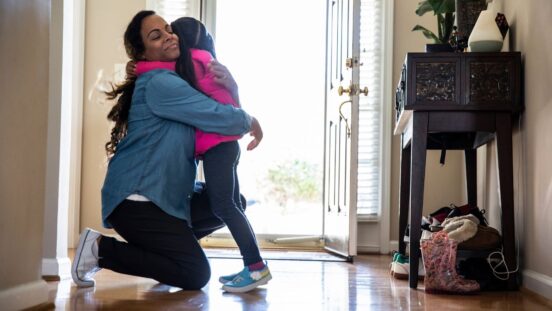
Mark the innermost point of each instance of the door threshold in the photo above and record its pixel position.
(276, 254)
(265, 241)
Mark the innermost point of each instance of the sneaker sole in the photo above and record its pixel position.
(75, 264)
(249, 287)
(402, 276)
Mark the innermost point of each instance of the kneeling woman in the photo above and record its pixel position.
(149, 186)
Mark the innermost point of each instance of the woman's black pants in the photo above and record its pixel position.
(158, 245)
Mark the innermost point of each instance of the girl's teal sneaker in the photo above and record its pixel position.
(227, 278)
(247, 280)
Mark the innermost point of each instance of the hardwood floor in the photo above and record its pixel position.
(296, 285)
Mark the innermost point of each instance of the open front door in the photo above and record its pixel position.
(341, 128)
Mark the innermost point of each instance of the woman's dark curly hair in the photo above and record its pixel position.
(135, 48)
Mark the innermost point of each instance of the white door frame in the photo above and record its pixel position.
(63, 154)
(386, 124)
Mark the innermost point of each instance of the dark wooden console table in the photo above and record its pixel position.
(456, 101)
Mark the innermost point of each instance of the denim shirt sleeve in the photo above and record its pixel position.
(170, 97)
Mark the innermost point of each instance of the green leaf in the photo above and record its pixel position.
(423, 7)
(442, 6)
(427, 33)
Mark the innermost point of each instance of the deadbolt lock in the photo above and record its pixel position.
(352, 61)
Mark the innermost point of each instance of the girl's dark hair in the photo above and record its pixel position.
(135, 48)
(191, 34)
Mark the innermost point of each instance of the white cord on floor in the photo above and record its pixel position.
(501, 262)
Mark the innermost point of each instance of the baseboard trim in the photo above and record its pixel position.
(24, 296)
(368, 249)
(375, 249)
(56, 268)
(538, 283)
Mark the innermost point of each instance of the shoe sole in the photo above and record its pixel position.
(402, 276)
(249, 287)
(74, 266)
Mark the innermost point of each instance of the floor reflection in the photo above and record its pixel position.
(296, 285)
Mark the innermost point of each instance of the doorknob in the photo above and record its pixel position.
(341, 90)
(353, 89)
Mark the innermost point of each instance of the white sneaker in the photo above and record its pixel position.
(85, 263)
(401, 270)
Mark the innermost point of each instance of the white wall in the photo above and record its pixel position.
(24, 33)
(532, 142)
(103, 48)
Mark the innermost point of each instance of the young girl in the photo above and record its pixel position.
(220, 154)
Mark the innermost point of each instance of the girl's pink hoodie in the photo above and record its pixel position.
(206, 84)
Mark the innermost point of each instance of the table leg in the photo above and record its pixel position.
(404, 198)
(418, 164)
(471, 175)
(506, 182)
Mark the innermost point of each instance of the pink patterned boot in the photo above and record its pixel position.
(439, 257)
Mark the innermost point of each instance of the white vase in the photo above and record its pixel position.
(485, 35)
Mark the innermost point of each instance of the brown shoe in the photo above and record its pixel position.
(486, 238)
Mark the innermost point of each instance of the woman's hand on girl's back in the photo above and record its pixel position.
(257, 132)
(223, 77)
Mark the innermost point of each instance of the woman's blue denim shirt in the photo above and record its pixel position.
(156, 157)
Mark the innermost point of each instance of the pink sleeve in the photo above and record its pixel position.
(145, 66)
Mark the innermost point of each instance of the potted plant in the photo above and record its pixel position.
(444, 10)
